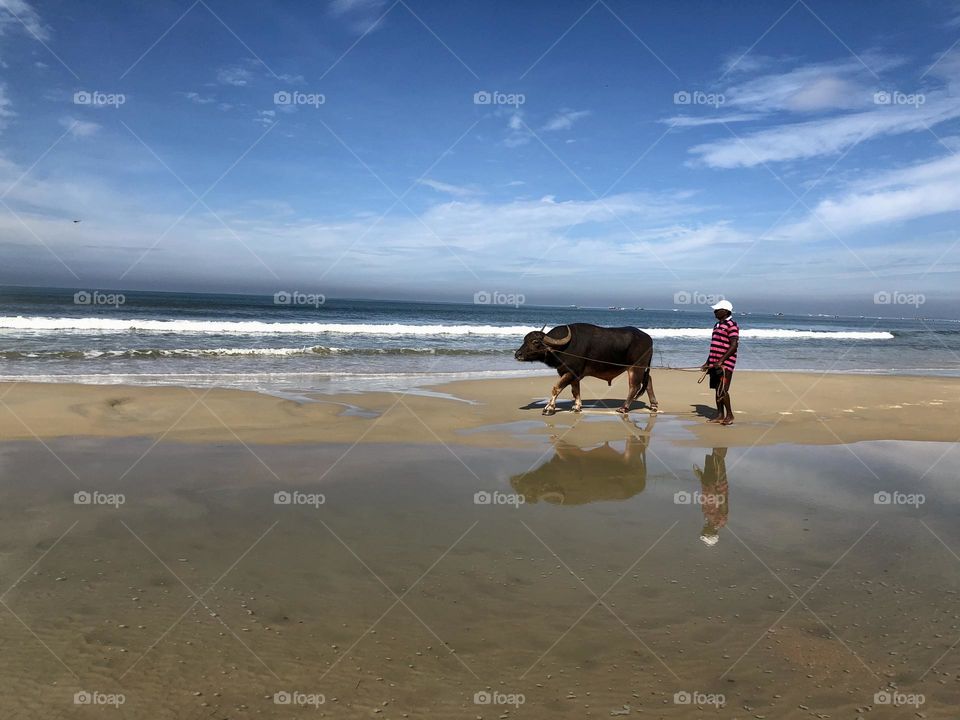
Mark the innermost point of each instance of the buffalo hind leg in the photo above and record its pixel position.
(575, 388)
(564, 380)
(635, 378)
(654, 406)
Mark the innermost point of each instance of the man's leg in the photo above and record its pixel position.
(727, 404)
(719, 390)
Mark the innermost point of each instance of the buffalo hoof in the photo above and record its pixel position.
(549, 411)
(623, 410)
(578, 410)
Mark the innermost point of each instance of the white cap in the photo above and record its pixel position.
(723, 305)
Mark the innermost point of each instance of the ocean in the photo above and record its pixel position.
(299, 344)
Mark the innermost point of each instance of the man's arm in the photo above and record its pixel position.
(734, 341)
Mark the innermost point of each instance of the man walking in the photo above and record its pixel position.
(723, 359)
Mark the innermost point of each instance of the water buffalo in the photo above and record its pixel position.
(582, 350)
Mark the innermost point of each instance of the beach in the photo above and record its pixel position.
(771, 408)
(450, 552)
(217, 507)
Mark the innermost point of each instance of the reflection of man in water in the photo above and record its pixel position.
(715, 493)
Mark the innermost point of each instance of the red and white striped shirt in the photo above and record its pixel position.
(723, 334)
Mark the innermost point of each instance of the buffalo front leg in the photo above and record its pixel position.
(564, 380)
(575, 388)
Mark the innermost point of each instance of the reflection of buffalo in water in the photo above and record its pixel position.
(574, 476)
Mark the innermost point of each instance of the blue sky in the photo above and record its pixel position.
(605, 152)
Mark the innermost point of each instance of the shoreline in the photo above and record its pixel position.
(771, 408)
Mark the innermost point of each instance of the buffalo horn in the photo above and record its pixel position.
(547, 340)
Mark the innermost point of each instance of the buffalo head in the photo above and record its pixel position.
(537, 344)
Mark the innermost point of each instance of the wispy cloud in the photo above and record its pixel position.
(919, 190)
(564, 120)
(199, 99)
(459, 191)
(362, 15)
(847, 103)
(235, 75)
(79, 128)
(20, 15)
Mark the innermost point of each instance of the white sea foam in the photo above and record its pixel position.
(254, 327)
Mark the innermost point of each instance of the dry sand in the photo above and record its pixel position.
(770, 408)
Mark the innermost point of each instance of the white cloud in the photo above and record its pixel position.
(198, 98)
(816, 138)
(842, 97)
(20, 15)
(235, 75)
(79, 128)
(564, 119)
(362, 15)
(455, 190)
(920, 190)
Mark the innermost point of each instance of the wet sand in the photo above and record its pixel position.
(771, 408)
(404, 593)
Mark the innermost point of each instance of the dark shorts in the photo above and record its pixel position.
(716, 374)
